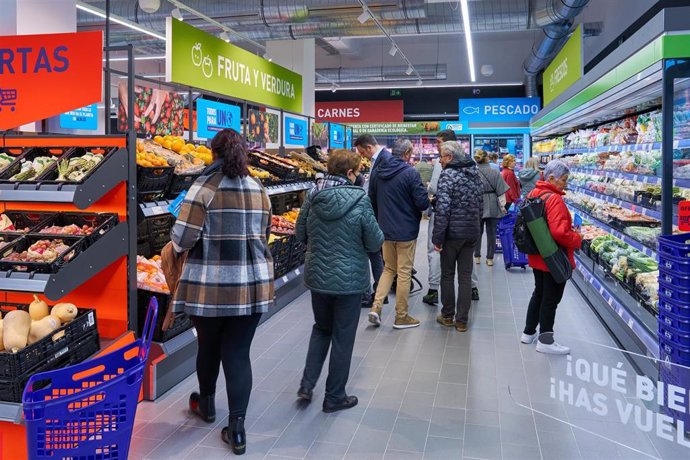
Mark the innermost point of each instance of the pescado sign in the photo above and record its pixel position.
(498, 110)
(45, 75)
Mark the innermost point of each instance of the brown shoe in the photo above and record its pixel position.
(445, 321)
(460, 326)
(405, 322)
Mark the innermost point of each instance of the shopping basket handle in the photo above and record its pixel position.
(150, 324)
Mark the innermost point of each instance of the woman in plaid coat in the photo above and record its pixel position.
(227, 280)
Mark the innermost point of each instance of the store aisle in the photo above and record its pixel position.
(425, 393)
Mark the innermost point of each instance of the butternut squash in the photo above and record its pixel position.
(38, 309)
(2, 345)
(42, 328)
(16, 325)
(65, 311)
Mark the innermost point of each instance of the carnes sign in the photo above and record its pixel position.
(360, 111)
(45, 75)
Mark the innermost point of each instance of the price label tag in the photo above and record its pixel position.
(194, 332)
(285, 279)
(684, 216)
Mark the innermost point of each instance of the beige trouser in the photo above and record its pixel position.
(398, 259)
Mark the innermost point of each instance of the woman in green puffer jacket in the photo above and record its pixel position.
(337, 224)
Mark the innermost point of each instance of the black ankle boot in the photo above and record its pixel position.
(203, 406)
(235, 435)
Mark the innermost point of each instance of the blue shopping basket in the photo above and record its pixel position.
(511, 256)
(86, 411)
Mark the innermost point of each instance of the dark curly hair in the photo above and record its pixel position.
(229, 147)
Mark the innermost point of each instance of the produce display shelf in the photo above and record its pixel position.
(103, 252)
(154, 208)
(621, 303)
(621, 236)
(109, 173)
(287, 188)
(10, 412)
(289, 276)
(678, 144)
(646, 179)
(622, 203)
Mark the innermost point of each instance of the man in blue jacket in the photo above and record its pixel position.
(398, 197)
(368, 147)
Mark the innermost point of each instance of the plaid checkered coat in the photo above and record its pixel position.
(224, 224)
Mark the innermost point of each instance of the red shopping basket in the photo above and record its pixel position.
(86, 411)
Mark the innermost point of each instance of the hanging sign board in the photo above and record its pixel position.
(296, 132)
(336, 138)
(84, 118)
(565, 69)
(212, 117)
(44, 75)
(204, 61)
(684, 216)
(360, 111)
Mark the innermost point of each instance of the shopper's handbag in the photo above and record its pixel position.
(172, 264)
(501, 203)
(554, 256)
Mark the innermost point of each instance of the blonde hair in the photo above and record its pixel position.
(509, 161)
(480, 156)
(532, 163)
(340, 161)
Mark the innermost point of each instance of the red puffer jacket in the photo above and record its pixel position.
(560, 224)
(511, 179)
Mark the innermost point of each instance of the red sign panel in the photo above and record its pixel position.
(360, 111)
(684, 216)
(45, 75)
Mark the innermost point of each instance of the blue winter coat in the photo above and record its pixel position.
(337, 223)
(398, 197)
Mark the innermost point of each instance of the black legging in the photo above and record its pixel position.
(226, 339)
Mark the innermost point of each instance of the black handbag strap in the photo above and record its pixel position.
(487, 181)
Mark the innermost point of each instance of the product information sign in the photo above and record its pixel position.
(296, 132)
(85, 118)
(515, 111)
(422, 127)
(336, 138)
(212, 117)
(684, 216)
(44, 75)
(348, 138)
(565, 69)
(199, 59)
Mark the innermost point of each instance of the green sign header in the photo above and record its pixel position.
(198, 59)
(565, 69)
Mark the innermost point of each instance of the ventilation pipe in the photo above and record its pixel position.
(340, 75)
(555, 17)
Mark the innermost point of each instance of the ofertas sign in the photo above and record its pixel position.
(684, 216)
(45, 75)
(212, 117)
(360, 111)
(515, 111)
(296, 132)
(198, 59)
(336, 139)
(565, 69)
(85, 118)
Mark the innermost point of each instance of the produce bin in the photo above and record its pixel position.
(51, 174)
(24, 220)
(76, 245)
(181, 182)
(30, 155)
(153, 182)
(99, 222)
(181, 324)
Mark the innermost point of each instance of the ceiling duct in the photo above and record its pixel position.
(341, 75)
(556, 18)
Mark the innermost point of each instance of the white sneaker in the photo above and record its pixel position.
(374, 318)
(525, 338)
(553, 349)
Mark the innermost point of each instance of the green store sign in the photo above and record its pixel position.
(201, 60)
(565, 69)
(422, 127)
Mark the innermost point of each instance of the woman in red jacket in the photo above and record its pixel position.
(511, 179)
(547, 293)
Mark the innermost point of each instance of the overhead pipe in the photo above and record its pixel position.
(376, 74)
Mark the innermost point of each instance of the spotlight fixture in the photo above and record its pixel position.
(268, 57)
(177, 14)
(149, 6)
(409, 70)
(419, 83)
(225, 36)
(333, 88)
(393, 51)
(364, 17)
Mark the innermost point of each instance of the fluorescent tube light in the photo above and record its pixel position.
(427, 85)
(136, 58)
(468, 37)
(393, 51)
(177, 14)
(117, 20)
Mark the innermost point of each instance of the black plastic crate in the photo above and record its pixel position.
(15, 153)
(7, 239)
(27, 221)
(181, 324)
(76, 245)
(56, 153)
(51, 174)
(142, 230)
(180, 183)
(284, 171)
(299, 252)
(144, 249)
(280, 204)
(100, 222)
(153, 182)
(45, 350)
(159, 232)
(82, 349)
(281, 251)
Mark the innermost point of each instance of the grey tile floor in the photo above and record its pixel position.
(428, 392)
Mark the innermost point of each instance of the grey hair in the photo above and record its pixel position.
(401, 146)
(556, 169)
(454, 148)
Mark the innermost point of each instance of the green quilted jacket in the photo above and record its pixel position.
(338, 225)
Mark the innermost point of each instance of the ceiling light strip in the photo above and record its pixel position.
(414, 86)
(468, 37)
(117, 20)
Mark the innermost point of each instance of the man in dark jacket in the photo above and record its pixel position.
(398, 198)
(458, 211)
(368, 147)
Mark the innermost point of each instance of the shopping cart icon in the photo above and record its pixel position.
(8, 98)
